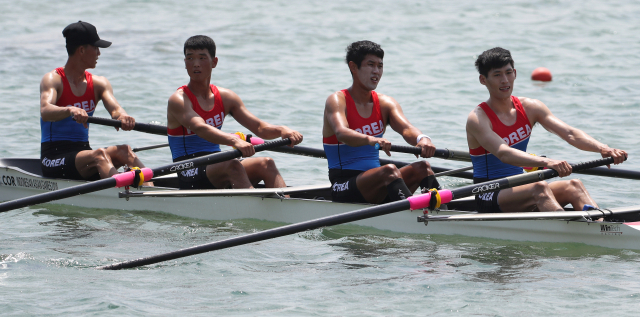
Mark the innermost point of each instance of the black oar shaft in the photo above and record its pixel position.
(521, 179)
(267, 234)
(440, 153)
(213, 158)
(612, 172)
(141, 127)
(351, 216)
(319, 153)
(150, 147)
(112, 181)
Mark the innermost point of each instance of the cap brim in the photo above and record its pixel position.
(102, 43)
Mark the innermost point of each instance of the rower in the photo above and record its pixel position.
(498, 131)
(195, 114)
(355, 120)
(68, 96)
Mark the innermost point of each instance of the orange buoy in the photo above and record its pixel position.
(541, 74)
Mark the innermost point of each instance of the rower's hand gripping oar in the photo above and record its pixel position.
(440, 153)
(434, 199)
(141, 127)
(161, 130)
(254, 140)
(413, 203)
(127, 178)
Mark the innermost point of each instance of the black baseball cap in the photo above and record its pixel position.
(81, 33)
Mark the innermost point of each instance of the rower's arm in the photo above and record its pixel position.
(50, 87)
(181, 113)
(234, 105)
(480, 133)
(399, 123)
(539, 112)
(104, 92)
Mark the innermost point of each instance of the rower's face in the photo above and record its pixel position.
(370, 71)
(499, 81)
(199, 63)
(90, 55)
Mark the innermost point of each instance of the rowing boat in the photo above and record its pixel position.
(23, 178)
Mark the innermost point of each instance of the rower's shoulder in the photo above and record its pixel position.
(386, 99)
(177, 99)
(100, 81)
(336, 99)
(531, 104)
(228, 95)
(476, 116)
(51, 78)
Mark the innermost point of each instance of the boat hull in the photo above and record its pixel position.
(18, 183)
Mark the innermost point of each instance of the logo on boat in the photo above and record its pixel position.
(484, 188)
(182, 166)
(610, 230)
(29, 183)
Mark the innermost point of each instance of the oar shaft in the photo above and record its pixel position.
(267, 234)
(611, 172)
(414, 202)
(453, 172)
(422, 201)
(126, 179)
(150, 147)
(213, 158)
(440, 153)
(319, 153)
(141, 127)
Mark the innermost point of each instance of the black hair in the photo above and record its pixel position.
(496, 57)
(71, 48)
(200, 42)
(356, 51)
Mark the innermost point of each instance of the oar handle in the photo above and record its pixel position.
(577, 167)
(440, 153)
(141, 127)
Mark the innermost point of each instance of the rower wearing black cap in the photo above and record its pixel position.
(68, 96)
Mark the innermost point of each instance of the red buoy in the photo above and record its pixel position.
(541, 74)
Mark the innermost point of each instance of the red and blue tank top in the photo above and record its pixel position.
(67, 129)
(183, 141)
(361, 158)
(487, 165)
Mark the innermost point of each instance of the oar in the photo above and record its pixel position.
(127, 178)
(319, 153)
(413, 202)
(440, 153)
(597, 171)
(141, 127)
(150, 147)
(446, 153)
